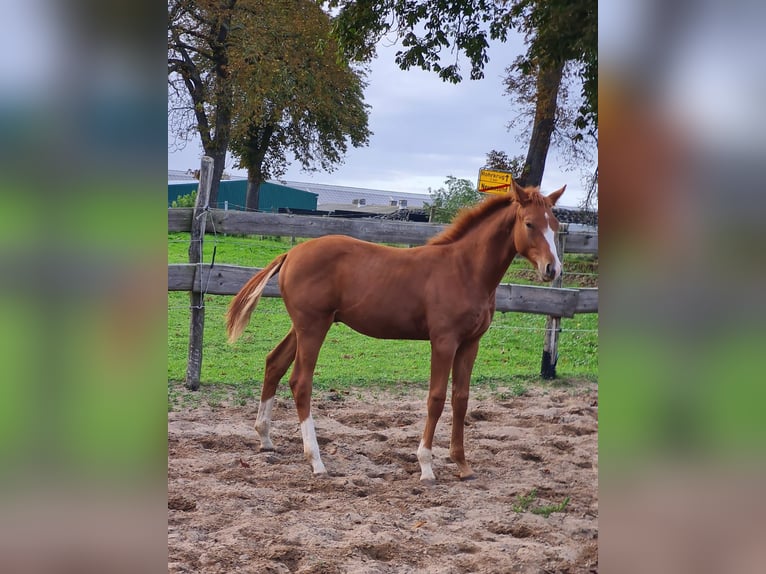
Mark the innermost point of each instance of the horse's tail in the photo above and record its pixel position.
(244, 302)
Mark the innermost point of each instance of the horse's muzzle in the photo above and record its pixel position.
(550, 272)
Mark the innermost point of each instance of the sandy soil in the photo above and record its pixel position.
(233, 509)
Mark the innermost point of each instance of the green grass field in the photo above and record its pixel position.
(509, 357)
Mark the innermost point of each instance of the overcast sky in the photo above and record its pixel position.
(425, 129)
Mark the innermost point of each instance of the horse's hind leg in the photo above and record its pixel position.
(277, 363)
(311, 334)
(461, 380)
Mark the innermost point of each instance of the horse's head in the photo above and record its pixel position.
(535, 229)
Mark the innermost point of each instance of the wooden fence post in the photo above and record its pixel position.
(197, 295)
(553, 324)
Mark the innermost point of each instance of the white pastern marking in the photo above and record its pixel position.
(425, 457)
(263, 423)
(551, 239)
(310, 446)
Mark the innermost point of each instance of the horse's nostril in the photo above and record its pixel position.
(549, 270)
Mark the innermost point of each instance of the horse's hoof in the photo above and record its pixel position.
(267, 449)
(428, 481)
(468, 477)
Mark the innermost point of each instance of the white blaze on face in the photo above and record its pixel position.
(263, 423)
(425, 458)
(551, 239)
(310, 446)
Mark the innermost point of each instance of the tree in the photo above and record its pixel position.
(261, 78)
(557, 32)
(199, 82)
(575, 145)
(562, 45)
(446, 203)
(304, 101)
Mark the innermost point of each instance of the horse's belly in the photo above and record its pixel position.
(381, 326)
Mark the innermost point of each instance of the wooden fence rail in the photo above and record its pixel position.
(229, 279)
(376, 230)
(199, 278)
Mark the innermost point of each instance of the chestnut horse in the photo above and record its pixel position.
(443, 291)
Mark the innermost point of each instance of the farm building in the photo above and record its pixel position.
(232, 192)
(339, 198)
(334, 200)
(302, 197)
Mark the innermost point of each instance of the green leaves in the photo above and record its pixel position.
(432, 31)
(293, 95)
(446, 203)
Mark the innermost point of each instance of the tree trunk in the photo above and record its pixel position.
(254, 179)
(219, 161)
(255, 153)
(548, 82)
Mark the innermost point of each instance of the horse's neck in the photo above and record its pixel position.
(488, 248)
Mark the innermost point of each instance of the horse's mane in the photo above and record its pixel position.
(468, 217)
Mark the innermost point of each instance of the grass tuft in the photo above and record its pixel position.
(524, 503)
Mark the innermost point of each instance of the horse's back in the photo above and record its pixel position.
(334, 258)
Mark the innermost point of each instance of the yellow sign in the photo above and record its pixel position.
(497, 182)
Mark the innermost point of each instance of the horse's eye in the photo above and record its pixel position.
(529, 225)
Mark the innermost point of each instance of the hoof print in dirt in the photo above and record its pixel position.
(181, 503)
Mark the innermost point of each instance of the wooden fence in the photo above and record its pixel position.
(379, 231)
(222, 279)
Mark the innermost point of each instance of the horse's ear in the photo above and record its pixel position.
(554, 196)
(519, 193)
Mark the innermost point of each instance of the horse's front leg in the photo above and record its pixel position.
(442, 355)
(461, 381)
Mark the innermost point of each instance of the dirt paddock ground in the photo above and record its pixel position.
(234, 509)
